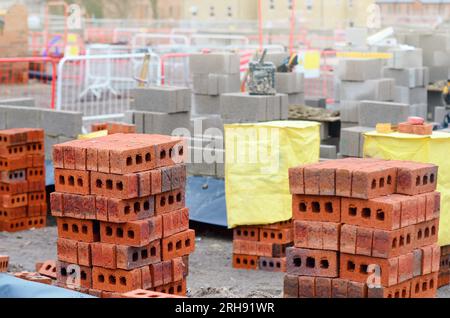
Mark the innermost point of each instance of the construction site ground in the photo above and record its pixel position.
(210, 271)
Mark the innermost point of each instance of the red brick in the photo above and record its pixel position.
(178, 245)
(155, 182)
(327, 178)
(405, 267)
(129, 257)
(272, 264)
(416, 178)
(306, 286)
(288, 224)
(72, 181)
(356, 290)
(84, 254)
(355, 267)
(104, 255)
(276, 236)
(424, 286)
(312, 262)
(271, 249)
(13, 201)
(156, 271)
(316, 208)
(13, 213)
(175, 222)
(246, 233)
(101, 208)
(130, 210)
(170, 201)
(73, 276)
(245, 261)
(80, 230)
(426, 233)
(48, 269)
(312, 179)
(67, 250)
(141, 293)
(135, 233)
(369, 182)
(115, 186)
(116, 280)
(317, 235)
(178, 269)
(15, 163)
(20, 136)
(290, 286)
(402, 290)
(175, 288)
(14, 188)
(146, 277)
(167, 272)
(296, 181)
(339, 288)
(323, 287)
(364, 237)
(79, 206)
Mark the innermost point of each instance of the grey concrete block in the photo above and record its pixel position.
(2, 118)
(439, 113)
(206, 104)
(276, 58)
(438, 73)
(49, 142)
(359, 69)
(289, 83)
(378, 89)
(352, 141)
(218, 63)
(408, 77)
(441, 58)
(324, 130)
(296, 99)
(284, 107)
(356, 36)
(347, 124)
(206, 124)
(405, 58)
(22, 117)
(24, 101)
(216, 84)
(165, 124)
(419, 110)
(373, 112)
(328, 152)
(316, 102)
(167, 99)
(61, 123)
(416, 95)
(349, 110)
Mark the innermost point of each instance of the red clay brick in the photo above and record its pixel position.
(317, 235)
(175, 222)
(178, 245)
(80, 230)
(48, 269)
(296, 180)
(284, 236)
(416, 178)
(156, 271)
(246, 233)
(271, 249)
(272, 264)
(67, 250)
(402, 290)
(316, 208)
(323, 287)
(84, 254)
(13, 201)
(170, 201)
(306, 286)
(372, 181)
(167, 272)
(72, 181)
(142, 293)
(426, 233)
(115, 186)
(130, 210)
(312, 262)
(13, 213)
(73, 276)
(424, 286)
(104, 255)
(245, 261)
(79, 206)
(129, 257)
(116, 280)
(290, 286)
(14, 188)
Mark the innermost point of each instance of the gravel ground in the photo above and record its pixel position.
(210, 271)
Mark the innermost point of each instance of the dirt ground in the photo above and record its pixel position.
(210, 271)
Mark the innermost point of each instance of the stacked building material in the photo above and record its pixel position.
(262, 247)
(364, 228)
(160, 109)
(444, 271)
(292, 84)
(121, 215)
(22, 186)
(34, 277)
(213, 74)
(114, 128)
(4, 262)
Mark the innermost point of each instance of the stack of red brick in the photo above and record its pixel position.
(122, 221)
(22, 186)
(4, 262)
(364, 228)
(262, 247)
(444, 272)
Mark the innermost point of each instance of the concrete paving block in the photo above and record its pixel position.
(289, 83)
(328, 152)
(439, 113)
(167, 99)
(373, 112)
(352, 141)
(408, 77)
(349, 110)
(416, 95)
(218, 63)
(296, 99)
(165, 124)
(61, 123)
(24, 101)
(242, 107)
(20, 117)
(216, 84)
(405, 58)
(377, 89)
(206, 104)
(359, 69)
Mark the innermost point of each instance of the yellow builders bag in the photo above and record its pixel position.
(433, 149)
(258, 157)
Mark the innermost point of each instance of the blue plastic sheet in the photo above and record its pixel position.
(12, 287)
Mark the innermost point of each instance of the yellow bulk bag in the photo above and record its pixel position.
(433, 149)
(258, 157)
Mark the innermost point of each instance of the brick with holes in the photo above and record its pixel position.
(248, 262)
(48, 269)
(80, 230)
(142, 293)
(316, 208)
(175, 222)
(134, 233)
(306, 262)
(119, 211)
(424, 286)
(402, 290)
(79, 206)
(114, 186)
(415, 178)
(283, 236)
(372, 181)
(271, 249)
(426, 233)
(4, 261)
(129, 257)
(170, 201)
(73, 275)
(272, 264)
(246, 233)
(177, 245)
(116, 280)
(72, 181)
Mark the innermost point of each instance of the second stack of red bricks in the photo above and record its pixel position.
(364, 228)
(122, 221)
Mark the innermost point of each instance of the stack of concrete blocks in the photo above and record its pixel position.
(291, 84)
(59, 126)
(411, 78)
(360, 79)
(440, 112)
(206, 156)
(160, 109)
(213, 74)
